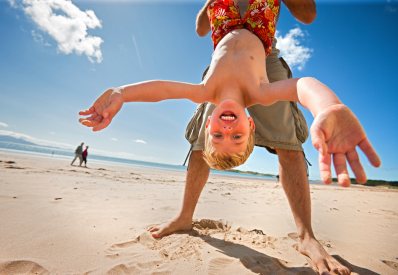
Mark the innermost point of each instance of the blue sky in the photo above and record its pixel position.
(46, 77)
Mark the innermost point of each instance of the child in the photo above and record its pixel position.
(236, 80)
(85, 154)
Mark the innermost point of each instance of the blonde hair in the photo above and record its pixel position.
(226, 161)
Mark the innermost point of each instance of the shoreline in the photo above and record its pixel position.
(177, 168)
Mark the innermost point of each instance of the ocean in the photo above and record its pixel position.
(41, 151)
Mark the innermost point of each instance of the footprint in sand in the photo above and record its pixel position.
(211, 224)
(21, 267)
(124, 269)
(293, 236)
(13, 167)
(393, 265)
(132, 269)
(252, 264)
(116, 250)
(139, 244)
(220, 266)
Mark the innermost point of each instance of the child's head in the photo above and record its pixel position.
(86, 147)
(229, 136)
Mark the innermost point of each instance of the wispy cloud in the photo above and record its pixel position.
(52, 133)
(69, 29)
(295, 54)
(138, 54)
(391, 5)
(139, 141)
(2, 124)
(39, 39)
(115, 139)
(12, 3)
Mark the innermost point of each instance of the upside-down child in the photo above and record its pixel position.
(237, 79)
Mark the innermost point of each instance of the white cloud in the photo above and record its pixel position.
(2, 124)
(291, 50)
(69, 29)
(52, 133)
(12, 3)
(115, 139)
(139, 141)
(39, 39)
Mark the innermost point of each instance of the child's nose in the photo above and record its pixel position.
(227, 128)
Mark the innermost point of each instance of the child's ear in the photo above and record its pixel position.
(251, 124)
(208, 121)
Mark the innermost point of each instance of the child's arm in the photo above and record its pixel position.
(309, 92)
(335, 130)
(110, 102)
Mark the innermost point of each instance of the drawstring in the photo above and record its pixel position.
(306, 164)
(189, 153)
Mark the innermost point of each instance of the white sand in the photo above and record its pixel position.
(58, 219)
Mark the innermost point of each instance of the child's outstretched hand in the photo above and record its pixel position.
(103, 110)
(336, 131)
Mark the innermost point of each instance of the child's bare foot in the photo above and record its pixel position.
(166, 228)
(325, 263)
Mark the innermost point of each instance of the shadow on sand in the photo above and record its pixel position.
(258, 262)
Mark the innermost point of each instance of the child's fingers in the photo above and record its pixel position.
(104, 123)
(93, 116)
(87, 112)
(89, 122)
(371, 154)
(112, 109)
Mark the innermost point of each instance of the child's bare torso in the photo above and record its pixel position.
(238, 63)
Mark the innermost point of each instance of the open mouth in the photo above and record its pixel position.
(228, 116)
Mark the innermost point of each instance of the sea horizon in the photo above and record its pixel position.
(59, 153)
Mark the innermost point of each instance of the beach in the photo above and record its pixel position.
(62, 219)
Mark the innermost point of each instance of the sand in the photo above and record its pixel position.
(59, 219)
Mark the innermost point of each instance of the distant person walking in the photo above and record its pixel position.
(85, 154)
(277, 178)
(79, 154)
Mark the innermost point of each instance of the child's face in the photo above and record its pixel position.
(229, 127)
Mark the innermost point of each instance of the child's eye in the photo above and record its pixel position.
(217, 136)
(237, 137)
